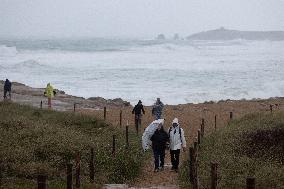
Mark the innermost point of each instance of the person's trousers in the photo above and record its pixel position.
(158, 116)
(159, 156)
(49, 102)
(175, 158)
(138, 119)
(5, 94)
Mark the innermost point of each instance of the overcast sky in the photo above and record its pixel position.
(135, 18)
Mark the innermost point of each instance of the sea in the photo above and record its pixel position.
(176, 71)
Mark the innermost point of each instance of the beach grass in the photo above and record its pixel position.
(252, 146)
(37, 141)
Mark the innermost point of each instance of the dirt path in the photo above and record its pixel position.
(190, 116)
(149, 178)
(165, 179)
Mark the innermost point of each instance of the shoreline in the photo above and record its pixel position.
(21, 91)
(24, 94)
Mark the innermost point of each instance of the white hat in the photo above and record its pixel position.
(175, 121)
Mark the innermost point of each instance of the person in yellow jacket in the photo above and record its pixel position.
(49, 93)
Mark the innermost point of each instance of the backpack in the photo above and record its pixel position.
(178, 131)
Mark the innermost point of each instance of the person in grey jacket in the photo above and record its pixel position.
(158, 109)
(177, 141)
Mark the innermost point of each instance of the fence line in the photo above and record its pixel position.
(193, 157)
(193, 165)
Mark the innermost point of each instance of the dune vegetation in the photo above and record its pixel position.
(35, 141)
(252, 146)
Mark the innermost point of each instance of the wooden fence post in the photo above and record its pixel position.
(195, 145)
(120, 118)
(202, 130)
(78, 169)
(231, 116)
(214, 175)
(104, 113)
(69, 176)
(195, 184)
(74, 107)
(41, 182)
(194, 165)
(113, 145)
(92, 167)
(250, 183)
(215, 122)
(271, 108)
(191, 161)
(41, 104)
(198, 136)
(126, 135)
(0, 175)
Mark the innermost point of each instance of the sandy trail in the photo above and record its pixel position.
(189, 116)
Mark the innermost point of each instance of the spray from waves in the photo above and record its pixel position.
(156, 46)
(10, 48)
(166, 47)
(6, 51)
(31, 66)
(192, 71)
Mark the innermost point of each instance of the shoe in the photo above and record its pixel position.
(161, 168)
(156, 170)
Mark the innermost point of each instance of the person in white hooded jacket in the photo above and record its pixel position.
(177, 141)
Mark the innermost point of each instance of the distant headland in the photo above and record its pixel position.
(226, 34)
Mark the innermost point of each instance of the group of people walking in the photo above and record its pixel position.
(139, 109)
(173, 139)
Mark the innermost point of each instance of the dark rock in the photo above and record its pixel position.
(161, 37)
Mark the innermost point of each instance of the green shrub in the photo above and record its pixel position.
(237, 148)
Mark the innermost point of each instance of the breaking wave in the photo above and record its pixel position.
(7, 51)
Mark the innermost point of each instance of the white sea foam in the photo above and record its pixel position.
(7, 51)
(177, 72)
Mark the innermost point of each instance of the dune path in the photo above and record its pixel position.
(190, 117)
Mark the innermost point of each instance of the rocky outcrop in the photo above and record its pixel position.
(27, 95)
(161, 37)
(114, 102)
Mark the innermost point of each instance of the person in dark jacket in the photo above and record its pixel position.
(159, 142)
(137, 110)
(7, 88)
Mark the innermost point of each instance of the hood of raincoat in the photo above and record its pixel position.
(149, 131)
(49, 91)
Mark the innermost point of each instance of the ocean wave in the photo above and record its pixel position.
(31, 65)
(164, 47)
(7, 51)
(28, 64)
